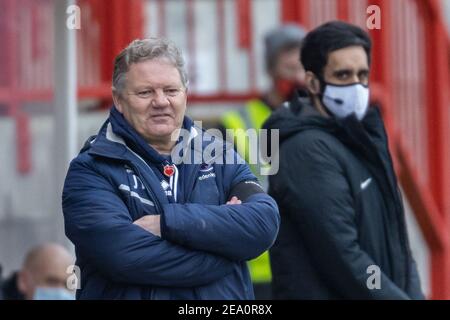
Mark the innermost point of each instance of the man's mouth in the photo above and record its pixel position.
(161, 116)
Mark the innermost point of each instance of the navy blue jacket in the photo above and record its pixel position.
(204, 243)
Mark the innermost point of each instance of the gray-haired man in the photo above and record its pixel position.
(144, 227)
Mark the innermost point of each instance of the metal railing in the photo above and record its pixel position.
(410, 75)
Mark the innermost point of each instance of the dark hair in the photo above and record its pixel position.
(329, 37)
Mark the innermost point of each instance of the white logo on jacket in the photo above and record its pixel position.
(365, 183)
(166, 187)
(206, 176)
(137, 185)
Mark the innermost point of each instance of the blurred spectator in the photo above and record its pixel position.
(282, 52)
(282, 62)
(42, 277)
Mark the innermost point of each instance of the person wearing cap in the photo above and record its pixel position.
(343, 233)
(282, 64)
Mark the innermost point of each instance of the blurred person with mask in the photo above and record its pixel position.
(343, 232)
(42, 277)
(282, 64)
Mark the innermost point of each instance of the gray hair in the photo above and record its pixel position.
(283, 38)
(147, 49)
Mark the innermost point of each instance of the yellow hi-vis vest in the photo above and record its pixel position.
(252, 116)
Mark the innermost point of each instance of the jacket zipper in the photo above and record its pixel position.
(396, 197)
(192, 180)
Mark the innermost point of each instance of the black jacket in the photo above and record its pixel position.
(341, 210)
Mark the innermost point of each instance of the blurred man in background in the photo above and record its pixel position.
(282, 52)
(43, 275)
(282, 64)
(343, 232)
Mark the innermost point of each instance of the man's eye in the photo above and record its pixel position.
(343, 75)
(363, 75)
(53, 282)
(171, 92)
(144, 93)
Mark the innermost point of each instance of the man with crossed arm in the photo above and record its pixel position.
(145, 228)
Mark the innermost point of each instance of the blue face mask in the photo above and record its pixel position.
(49, 293)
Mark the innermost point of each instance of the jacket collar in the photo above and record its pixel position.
(112, 142)
(107, 144)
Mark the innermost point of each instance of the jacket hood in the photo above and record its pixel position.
(295, 116)
(116, 138)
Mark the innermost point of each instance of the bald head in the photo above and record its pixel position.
(44, 266)
(47, 255)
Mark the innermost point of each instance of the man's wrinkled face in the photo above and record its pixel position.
(153, 100)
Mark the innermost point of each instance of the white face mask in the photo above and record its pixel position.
(345, 100)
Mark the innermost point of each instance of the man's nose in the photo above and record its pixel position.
(355, 78)
(160, 99)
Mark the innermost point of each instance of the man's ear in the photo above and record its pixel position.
(117, 101)
(312, 83)
(23, 282)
